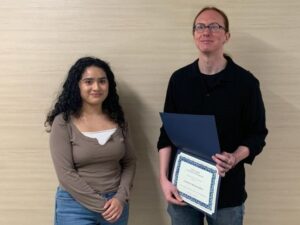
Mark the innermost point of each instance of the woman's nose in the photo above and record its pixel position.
(96, 85)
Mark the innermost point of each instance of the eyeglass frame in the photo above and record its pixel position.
(209, 26)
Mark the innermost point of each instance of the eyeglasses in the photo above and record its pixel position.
(213, 27)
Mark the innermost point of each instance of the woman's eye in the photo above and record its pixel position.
(89, 82)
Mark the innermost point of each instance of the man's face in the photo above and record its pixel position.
(210, 41)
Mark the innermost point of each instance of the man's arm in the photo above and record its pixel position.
(169, 190)
(226, 161)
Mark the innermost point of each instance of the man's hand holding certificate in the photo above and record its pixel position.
(194, 174)
(196, 181)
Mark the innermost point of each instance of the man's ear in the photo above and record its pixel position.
(227, 37)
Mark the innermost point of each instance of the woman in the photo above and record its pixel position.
(90, 148)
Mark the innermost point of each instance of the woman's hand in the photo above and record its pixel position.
(113, 210)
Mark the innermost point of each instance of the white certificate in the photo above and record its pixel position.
(197, 182)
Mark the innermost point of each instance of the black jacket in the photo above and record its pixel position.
(234, 98)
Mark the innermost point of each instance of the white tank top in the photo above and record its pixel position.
(102, 136)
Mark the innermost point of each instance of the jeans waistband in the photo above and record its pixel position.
(107, 195)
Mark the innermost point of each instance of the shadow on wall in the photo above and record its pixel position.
(272, 182)
(147, 206)
(277, 72)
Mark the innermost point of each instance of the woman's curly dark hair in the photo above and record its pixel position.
(69, 101)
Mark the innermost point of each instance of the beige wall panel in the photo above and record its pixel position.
(144, 41)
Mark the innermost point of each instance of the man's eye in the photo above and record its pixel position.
(200, 27)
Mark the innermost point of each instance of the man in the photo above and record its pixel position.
(215, 85)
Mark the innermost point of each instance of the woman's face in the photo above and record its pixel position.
(93, 86)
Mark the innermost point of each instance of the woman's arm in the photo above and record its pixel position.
(61, 152)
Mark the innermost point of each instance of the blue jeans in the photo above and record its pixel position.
(187, 215)
(69, 212)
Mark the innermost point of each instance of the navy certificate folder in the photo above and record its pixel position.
(194, 134)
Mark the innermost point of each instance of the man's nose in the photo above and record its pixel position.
(206, 30)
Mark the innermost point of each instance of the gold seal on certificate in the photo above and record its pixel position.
(197, 182)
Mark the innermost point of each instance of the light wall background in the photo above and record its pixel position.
(144, 41)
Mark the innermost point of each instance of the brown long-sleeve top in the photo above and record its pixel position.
(87, 169)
